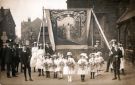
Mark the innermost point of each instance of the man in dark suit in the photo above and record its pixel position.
(9, 60)
(117, 54)
(3, 54)
(25, 60)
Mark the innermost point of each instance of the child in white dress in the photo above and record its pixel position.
(70, 66)
(82, 62)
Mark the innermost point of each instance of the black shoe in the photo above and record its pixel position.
(39, 75)
(30, 79)
(114, 78)
(8, 76)
(26, 80)
(107, 71)
(15, 76)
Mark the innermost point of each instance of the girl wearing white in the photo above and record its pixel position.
(34, 56)
(99, 62)
(65, 71)
(55, 65)
(82, 62)
(122, 59)
(71, 66)
(47, 65)
(40, 60)
(92, 64)
(60, 65)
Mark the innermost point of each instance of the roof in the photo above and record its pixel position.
(128, 14)
(6, 12)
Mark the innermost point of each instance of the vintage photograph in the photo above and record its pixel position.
(67, 42)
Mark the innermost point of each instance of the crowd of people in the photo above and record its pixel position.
(46, 61)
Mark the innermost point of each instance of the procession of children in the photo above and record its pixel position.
(61, 65)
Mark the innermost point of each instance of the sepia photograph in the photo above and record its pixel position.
(67, 42)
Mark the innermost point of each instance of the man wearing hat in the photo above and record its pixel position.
(82, 62)
(112, 43)
(25, 60)
(71, 66)
(97, 46)
(116, 54)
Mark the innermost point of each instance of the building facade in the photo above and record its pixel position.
(7, 24)
(107, 12)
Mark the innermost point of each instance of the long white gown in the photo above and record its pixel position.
(40, 59)
(70, 69)
(34, 56)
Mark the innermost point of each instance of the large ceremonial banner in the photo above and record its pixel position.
(70, 28)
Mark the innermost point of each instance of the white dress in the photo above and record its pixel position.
(55, 65)
(40, 59)
(92, 65)
(122, 59)
(50, 63)
(65, 69)
(34, 57)
(70, 66)
(82, 70)
(60, 64)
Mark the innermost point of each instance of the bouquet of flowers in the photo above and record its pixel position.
(70, 64)
(46, 65)
(50, 65)
(54, 65)
(82, 65)
(61, 64)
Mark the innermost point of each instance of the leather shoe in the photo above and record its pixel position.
(114, 78)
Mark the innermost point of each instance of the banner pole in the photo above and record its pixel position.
(107, 43)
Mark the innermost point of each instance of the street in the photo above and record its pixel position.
(104, 79)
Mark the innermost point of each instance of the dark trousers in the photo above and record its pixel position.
(41, 72)
(82, 78)
(116, 68)
(47, 74)
(9, 68)
(108, 65)
(25, 71)
(3, 65)
(16, 67)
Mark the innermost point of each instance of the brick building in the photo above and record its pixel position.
(7, 23)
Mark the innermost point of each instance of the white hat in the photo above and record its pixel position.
(54, 55)
(90, 55)
(69, 53)
(99, 53)
(84, 54)
(113, 40)
(97, 41)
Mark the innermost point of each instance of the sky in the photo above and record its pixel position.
(21, 10)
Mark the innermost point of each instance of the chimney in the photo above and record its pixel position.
(2, 11)
(29, 19)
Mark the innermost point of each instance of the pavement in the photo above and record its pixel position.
(104, 79)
